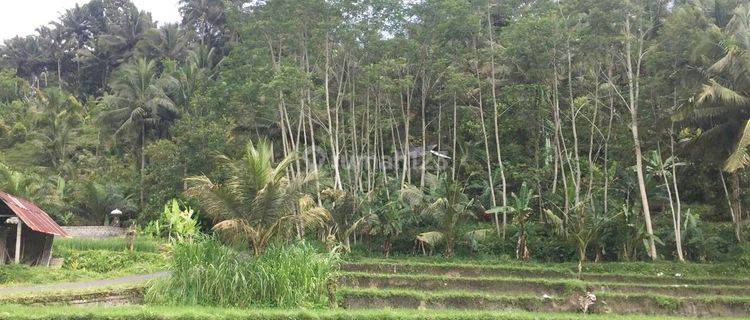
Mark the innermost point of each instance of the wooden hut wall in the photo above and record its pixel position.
(36, 247)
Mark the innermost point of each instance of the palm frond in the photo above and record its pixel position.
(557, 222)
(431, 238)
(715, 92)
(739, 157)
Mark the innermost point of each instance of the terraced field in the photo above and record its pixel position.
(390, 289)
(433, 286)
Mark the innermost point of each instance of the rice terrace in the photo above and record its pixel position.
(375, 159)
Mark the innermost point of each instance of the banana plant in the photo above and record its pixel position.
(520, 209)
(583, 227)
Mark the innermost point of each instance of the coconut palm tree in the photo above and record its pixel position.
(449, 210)
(25, 54)
(168, 41)
(57, 44)
(257, 200)
(721, 108)
(60, 112)
(206, 17)
(125, 34)
(140, 102)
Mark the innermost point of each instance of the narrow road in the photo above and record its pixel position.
(134, 279)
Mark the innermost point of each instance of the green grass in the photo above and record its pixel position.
(565, 285)
(644, 269)
(210, 274)
(464, 294)
(439, 295)
(189, 313)
(53, 297)
(84, 265)
(142, 244)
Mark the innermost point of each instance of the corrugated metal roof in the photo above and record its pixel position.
(31, 215)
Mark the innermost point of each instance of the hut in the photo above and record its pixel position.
(26, 232)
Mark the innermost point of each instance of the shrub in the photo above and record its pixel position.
(177, 222)
(210, 274)
(5, 136)
(18, 132)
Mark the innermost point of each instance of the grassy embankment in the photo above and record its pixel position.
(184, 313)
(90, 259)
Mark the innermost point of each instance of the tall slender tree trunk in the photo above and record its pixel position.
(423, 164)
(610, 71)
(454, 163)
(633, 73)
(678, 202)
(143, 165)
(503, 181)
(331, 134)
(59, 73)
(488, 157)
(574, 129)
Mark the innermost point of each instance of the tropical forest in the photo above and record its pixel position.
(377, 159)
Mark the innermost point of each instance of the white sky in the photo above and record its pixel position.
(22, 17)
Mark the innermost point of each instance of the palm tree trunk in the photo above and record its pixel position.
(737, 205)
(143, 164)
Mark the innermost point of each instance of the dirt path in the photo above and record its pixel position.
(134, 279)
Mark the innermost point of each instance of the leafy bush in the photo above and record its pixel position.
(543, 244)
(18, 132)
(210, 274)
(177, 222)
(5, 140)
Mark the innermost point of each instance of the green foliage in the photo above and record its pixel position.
(89, 259)
(18, 132)
(178, 222)
(103, 106)
(521, 211)
(20, 184)
(6, 140)
(257, 200)
(450, 210)
(95, 201)
(207, 273)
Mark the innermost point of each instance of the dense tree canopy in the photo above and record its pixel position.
(622, 122)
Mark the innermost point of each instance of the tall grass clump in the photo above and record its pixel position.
(207, 273)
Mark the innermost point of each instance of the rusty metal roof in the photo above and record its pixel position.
(31, 215)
